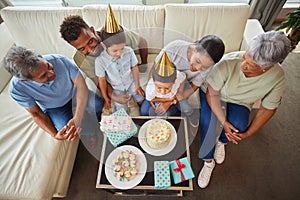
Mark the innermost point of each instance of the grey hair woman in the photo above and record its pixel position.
(269, 49)
(238, 81)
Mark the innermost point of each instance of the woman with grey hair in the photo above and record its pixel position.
(235, 84)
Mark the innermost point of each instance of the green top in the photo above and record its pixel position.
(236, 88)
(87, 63)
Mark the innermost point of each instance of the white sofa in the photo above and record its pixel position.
(32, 164)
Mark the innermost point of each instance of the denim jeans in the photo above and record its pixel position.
(60, 116)
(237, 115)
(174, 110)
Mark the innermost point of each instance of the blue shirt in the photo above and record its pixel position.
(118, 72)
(53, 94)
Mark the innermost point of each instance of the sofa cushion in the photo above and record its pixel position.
(156, 2)
(38, 27)
(146, 20)
(31, 160)
(82, 3)
(193, 21)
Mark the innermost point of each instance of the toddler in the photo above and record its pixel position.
(163, 89)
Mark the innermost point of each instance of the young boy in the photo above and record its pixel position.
(117, 65)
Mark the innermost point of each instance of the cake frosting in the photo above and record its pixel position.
(158, 134)
(125, 166)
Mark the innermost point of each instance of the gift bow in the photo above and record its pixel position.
(179, 169)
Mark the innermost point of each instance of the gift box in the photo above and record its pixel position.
(116, 123)
(181, 170)
(162, 178)
(120, 134)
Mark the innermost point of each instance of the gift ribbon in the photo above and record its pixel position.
(179, 169)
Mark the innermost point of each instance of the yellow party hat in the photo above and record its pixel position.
(111, 25)
(164, 66)
(164, 70)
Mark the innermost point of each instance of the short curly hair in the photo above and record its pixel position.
(70, 28)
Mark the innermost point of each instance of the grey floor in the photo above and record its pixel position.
(264, 166)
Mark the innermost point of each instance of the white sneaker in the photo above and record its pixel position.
(219, 152)
(205, 174)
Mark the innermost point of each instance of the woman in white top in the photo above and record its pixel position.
(195, 59)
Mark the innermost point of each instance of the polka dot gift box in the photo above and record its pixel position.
(118, 127)
(162, 178)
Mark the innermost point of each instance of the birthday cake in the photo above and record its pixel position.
(125, 166)
(158, 134)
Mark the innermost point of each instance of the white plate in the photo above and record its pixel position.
(156, 152)
(142, 168)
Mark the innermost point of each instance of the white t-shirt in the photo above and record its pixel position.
(151, 92)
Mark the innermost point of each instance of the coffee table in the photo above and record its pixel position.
(146, 186)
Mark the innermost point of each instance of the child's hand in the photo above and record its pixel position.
(107, 104)
(140, 91)
(127, 96)
(179, 97)
(153, 105)
(162, 107)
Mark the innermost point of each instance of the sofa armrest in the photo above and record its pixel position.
(6, 42)
(33, 164)
(253, 28)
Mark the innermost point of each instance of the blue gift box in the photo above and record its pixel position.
(181, 170)
(116, 138)
(162, 178)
